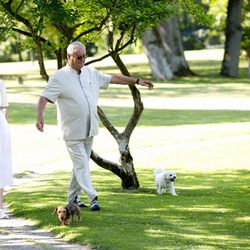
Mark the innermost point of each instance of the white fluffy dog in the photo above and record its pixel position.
(164, 179)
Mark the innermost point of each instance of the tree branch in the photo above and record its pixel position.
(20, 5)
(108, 124)
(111, 52)
(28, 34)
(98, 28)
(113, 167)
(8, 8)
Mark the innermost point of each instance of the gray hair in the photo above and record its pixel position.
(74, 45)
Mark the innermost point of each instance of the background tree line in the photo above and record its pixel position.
(183, 33)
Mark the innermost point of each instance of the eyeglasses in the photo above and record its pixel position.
(79, 57)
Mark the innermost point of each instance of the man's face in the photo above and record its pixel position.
(77, 58)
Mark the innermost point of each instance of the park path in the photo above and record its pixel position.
(20, 234)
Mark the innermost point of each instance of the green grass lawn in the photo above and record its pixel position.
(211, 211)
(212, 208)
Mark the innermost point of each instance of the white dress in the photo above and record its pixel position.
(6, 177)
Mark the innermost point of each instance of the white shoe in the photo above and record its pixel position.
(3, 215)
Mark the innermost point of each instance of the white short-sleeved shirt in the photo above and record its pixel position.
(76, 97)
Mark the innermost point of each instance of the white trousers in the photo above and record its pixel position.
(79, 151)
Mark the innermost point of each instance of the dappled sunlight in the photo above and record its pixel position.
(197, 237)
(192, 210)
(197, 233)
(243, 219)
(152, 210)
(203, 148)
(210, 209)
(199, 187)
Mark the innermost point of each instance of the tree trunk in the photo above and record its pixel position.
(165, 51)
(233, 35)
(40, 58)
(125, 170)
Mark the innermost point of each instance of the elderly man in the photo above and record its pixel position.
(75, 89)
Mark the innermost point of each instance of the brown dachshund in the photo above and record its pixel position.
(66, 213)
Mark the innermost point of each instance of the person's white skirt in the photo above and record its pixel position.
(6, 177)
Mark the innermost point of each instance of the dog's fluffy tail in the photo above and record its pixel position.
(159, 170)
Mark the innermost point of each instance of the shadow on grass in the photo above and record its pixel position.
(211, 211)
(25, 113)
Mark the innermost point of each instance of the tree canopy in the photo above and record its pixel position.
(49, 25)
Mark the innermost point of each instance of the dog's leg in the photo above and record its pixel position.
(158, 189)
(172, 190)
(78, 213)
(162, 190)
(78, 217)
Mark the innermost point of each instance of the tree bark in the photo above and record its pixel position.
(165, 51)
(233, 35)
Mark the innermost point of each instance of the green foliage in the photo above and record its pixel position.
(143, 14)
(216, 31)
(218, 9)
(198, 12)
(55, 12)
(9, 50)
(55, 23)
(195, 25)
(6, 26)
(211, 211)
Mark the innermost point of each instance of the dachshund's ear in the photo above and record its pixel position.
(55, 210)
(67, 211)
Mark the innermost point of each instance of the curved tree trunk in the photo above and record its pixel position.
(165, 50)
(125, 170)
(233, 34)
